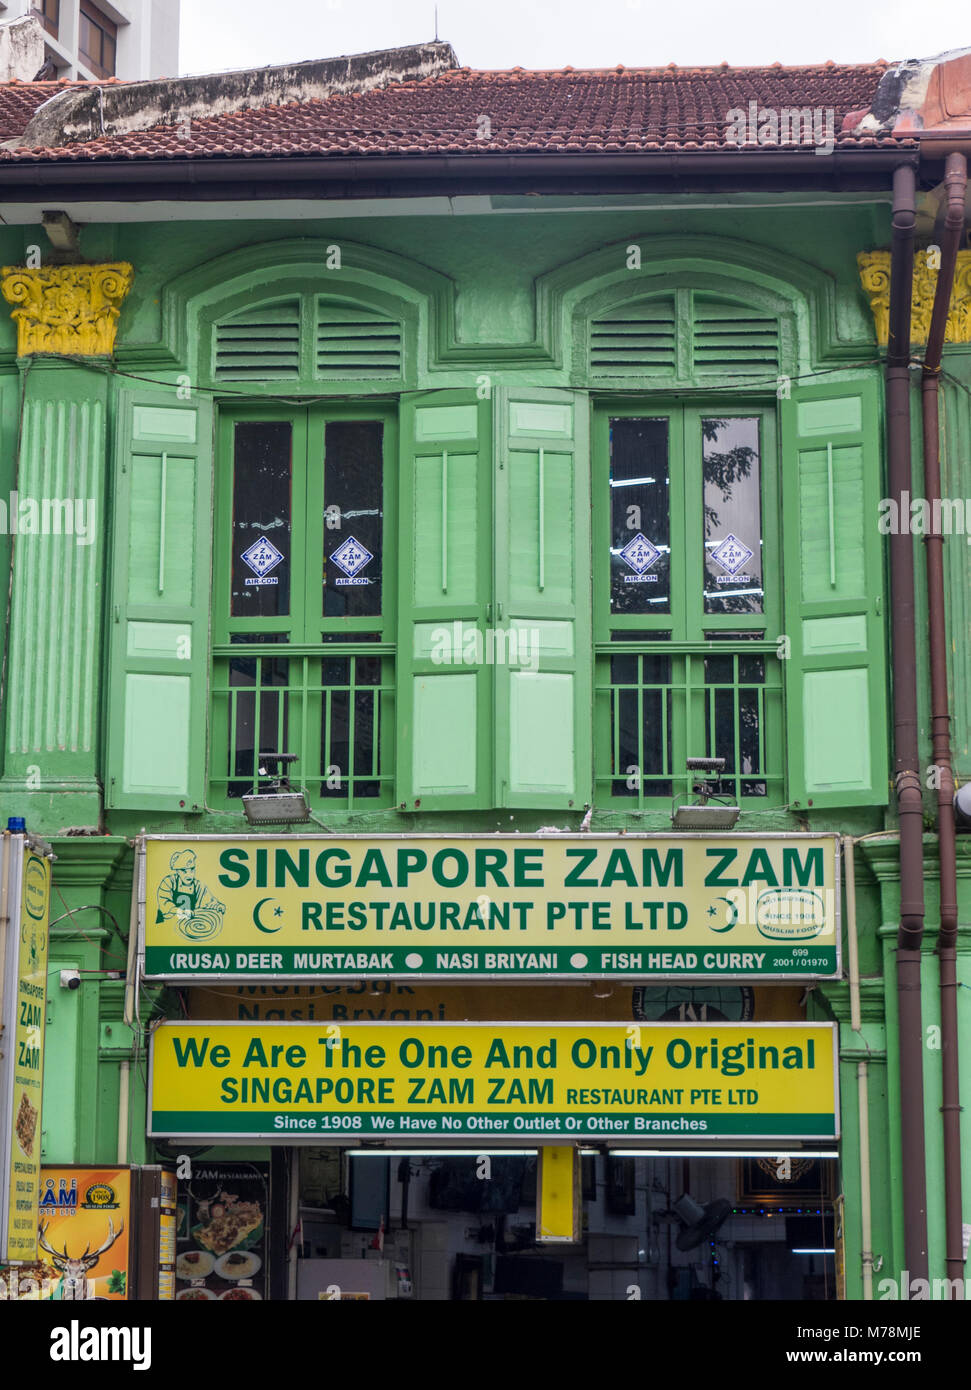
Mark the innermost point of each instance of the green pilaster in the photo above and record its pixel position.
(51, 719)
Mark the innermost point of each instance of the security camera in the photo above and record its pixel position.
(70, 979)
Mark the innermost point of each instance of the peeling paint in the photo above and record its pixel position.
(82, 114)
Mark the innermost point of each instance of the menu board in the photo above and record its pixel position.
(221, 1237)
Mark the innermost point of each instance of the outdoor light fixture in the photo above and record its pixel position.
(279, 803)
(706, 813)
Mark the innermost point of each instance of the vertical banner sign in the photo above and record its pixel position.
(25, 881)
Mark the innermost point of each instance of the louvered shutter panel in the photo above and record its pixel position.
(836, 677)
(355, 342)
(635, 339)
(159, 653)
(543, 584)
(444, 701)
(733, 338)
(259, 344)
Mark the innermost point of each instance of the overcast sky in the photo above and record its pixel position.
(218, 34)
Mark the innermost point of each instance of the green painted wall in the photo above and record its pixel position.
(502, 290)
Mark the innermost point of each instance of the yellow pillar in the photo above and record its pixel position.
(558, 1195)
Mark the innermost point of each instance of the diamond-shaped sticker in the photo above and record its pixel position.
(731, 554)
(262, 556)
(351, 557)
(640, 554)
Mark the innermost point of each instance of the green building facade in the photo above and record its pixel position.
(452, 381)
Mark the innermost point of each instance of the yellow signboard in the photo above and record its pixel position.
(504, 906)
(549, 1081)
(25, 1007)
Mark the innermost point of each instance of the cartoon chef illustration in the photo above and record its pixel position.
(183, 898)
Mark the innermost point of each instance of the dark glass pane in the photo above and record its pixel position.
(335, 670)
(733, 516)
(262, 472)
(623, 670)
(749, 732)
(624, 709)
(640, 536)
(655, 670)
(719, 670)
(335, 742)
(353, 519)
(751, 670)
(721, 636)
(350, 637)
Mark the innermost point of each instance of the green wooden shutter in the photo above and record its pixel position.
(543, 593)
(836, 680)
(159, 617)
(444, 694)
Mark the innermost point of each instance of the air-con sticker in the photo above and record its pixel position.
(351, 556)
(731, 554)
(262, 557)
(639, 554)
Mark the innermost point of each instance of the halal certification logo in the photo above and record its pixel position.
(351, 556)
(262, 556)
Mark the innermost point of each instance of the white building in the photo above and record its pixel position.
(89, 39)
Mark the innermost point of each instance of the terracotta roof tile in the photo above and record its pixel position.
(628, 109)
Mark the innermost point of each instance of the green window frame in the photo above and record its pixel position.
(318, 687)
(680, 682)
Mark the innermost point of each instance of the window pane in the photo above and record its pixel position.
(262, 475)
(733, 516)
(259, 717)
(640, 543)
(353, 519)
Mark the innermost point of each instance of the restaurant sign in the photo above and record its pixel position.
(215, 1082)
(506, 906)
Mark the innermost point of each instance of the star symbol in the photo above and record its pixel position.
(713, 912)
(278, 912)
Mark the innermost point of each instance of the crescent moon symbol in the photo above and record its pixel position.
(721, 930)
(256, 918)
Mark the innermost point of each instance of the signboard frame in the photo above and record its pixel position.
(673, 838)
(19, 978)
(347, 1137)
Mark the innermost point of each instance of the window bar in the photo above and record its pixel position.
(832, 515)
(615, 726)
(327, 692)
(304, 702)
(163, 486)
(686, 777)
(444, 521)
(233, 697)
(281, 698)
(257, 721)
(351, 721)
(640, 732)
(737, 725)
(542, 523)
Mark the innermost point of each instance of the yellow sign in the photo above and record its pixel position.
(523, 1080)
(26, 1007)
(504, 906)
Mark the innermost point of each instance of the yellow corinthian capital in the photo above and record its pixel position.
(71, 309)
(875, 278)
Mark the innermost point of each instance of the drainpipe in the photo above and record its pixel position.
(955, 182)
(910, 809)
(862, 1072)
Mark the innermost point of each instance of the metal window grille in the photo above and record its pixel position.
(332, 709)
(658, 706)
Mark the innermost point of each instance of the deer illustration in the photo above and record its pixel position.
(74, 1273)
